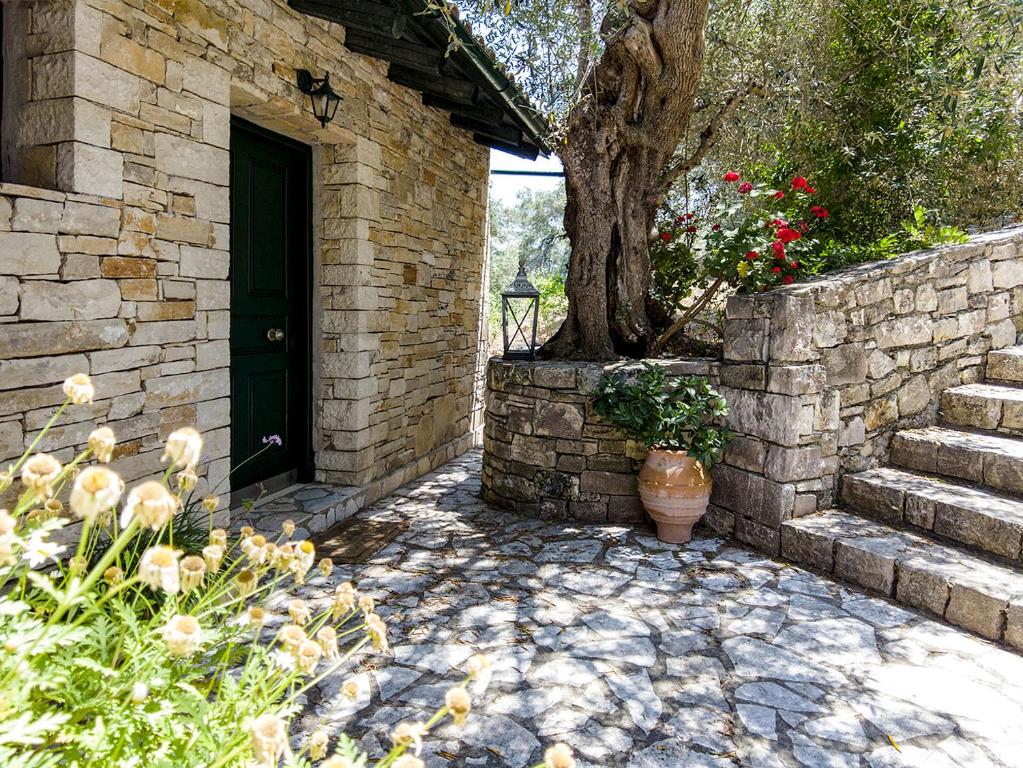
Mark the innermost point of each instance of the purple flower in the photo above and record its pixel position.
(272, 440)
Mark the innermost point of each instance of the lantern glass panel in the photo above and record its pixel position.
(520, 312)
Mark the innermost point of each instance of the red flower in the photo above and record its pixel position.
(679, 219)
(787, 279)
(666, 237)
(690, 216)
(799, 182)
(822, 213)
(716, 227)
(787, 235)
(776, 269)
(745, 188)
(690, 229)
(795, 265)
(810, 190)
(779, 195)
(803, 227)
(752, 255)
(732, 176)
(779, 249)
(778, 223)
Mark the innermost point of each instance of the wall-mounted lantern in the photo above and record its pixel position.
(324, 99)
(520, 313)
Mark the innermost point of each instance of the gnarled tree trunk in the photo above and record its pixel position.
(621, 138)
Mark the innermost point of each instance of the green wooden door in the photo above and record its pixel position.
(270, 359)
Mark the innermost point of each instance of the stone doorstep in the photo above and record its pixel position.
(993, 460)
(314, 507)
(977, 517)
(964, 589)
(1005, 364)
(984, 406)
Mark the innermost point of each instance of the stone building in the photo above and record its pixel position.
(176, 222)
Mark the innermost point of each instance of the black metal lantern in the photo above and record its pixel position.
(324, 99)
(520, 312)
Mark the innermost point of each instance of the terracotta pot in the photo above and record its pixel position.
(675, 490)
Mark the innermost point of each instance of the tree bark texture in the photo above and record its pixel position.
(634, 111)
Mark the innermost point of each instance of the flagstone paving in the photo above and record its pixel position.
(641, 654)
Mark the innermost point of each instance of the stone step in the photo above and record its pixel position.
(990, 460)
(964, 589)
(979, 518)
(1005, 364)
(984, 406)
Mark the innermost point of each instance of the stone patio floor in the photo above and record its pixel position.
(642, 654)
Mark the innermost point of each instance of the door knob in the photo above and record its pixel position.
(275, 334)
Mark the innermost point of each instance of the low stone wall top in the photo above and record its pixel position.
(820, 375)
(547, 453)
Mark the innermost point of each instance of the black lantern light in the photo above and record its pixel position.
(324, 99)
(520, 311)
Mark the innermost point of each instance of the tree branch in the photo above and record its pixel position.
(708, 136)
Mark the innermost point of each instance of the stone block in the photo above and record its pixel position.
(830, 329)
(746, 340)
(774, 417)
(554, 376)
(787, 465)
(810, 541)
(869, 562)
(27, 253)
(880, 413)
(744, 376)
(908, 331)
(914, 396)
(763, 538)
(1007, 274)
(8, 295)
(795, 379)
(976, 609)
(192, 159)
(792, 327)
(746, 453)
(923, 585)
(614, 483)
(558, 419)
(768, 502)
(204, 262)
(846, 364)
(36, 371)
(78, 300)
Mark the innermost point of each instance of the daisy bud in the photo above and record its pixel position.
(151, 504)
(269, 739)
(299, 611)
(326, 567)
(246, 530)
(458, 703)
(184, 448)
(193, 568)
(350, 690)
(101, 443)
(79, 389)
(39, 473)
(377, 631)
(187, 480)
(327, 638)
(212, 554)
(344, 600)
(366, 604)
(182, 635)
(159, 569)
(245, 582)
(113, 576)
(481, 671)
(409, 735)
(288, 527)
(210, 504)
(139, 693)
(255, 617)
(308, 656)
(318, 743)
(291, 636)
(76, 565)
(96, 490)
(559, 756)
(53, 508)
(218, 536)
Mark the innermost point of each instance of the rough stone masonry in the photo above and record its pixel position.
(114, 242)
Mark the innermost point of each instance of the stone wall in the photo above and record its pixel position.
(819, 376)
(545, 451)
(123, 109)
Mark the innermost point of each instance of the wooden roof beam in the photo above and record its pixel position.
(411, 55)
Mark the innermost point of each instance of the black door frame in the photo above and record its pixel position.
(305, 468)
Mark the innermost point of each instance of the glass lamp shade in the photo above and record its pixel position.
(325, 100)
(520, 314)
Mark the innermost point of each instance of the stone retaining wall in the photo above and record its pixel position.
(820, 375)
(546, 452)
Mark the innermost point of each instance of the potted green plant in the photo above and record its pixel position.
(678, 420)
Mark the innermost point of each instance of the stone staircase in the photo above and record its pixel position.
(941, 529)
